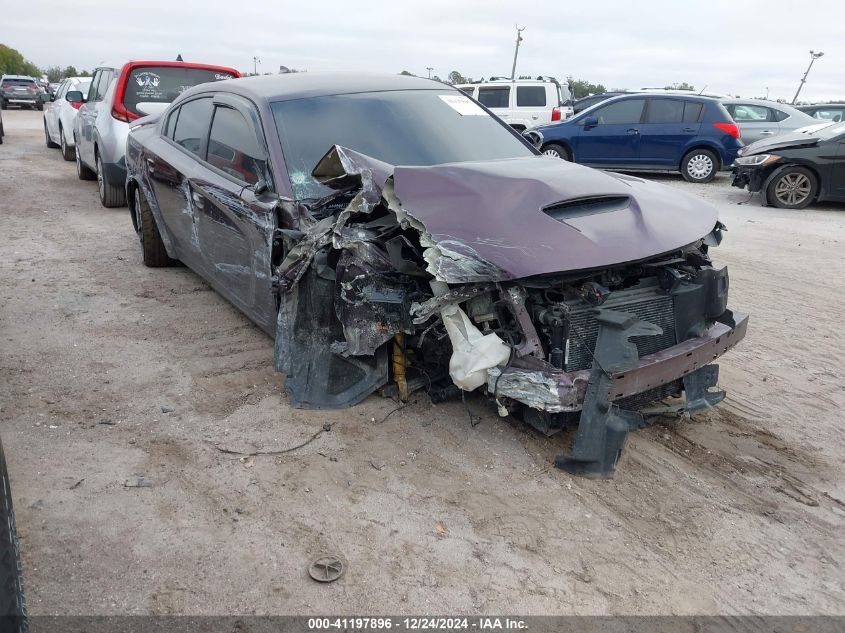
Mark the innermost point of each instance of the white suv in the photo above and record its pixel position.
(523, 103)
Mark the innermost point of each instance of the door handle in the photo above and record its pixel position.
(633, 130)
(689, 129)
(767, 132)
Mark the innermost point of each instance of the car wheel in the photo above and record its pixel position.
(40, 107)
(13, 610)
(152, 246)
(558, 151)
(110, 196)
(793, 188)
(3, 104)
(2, 133)
(50, 143)
(81, 170)
(68, 153)
(699, 165)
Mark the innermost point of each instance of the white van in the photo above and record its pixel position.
(523, 103)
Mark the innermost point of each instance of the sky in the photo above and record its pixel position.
(749, 49)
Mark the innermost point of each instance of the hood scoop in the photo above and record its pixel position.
(583, 207)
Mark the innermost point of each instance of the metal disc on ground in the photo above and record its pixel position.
(326, 569)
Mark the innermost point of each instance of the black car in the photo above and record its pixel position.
(793, 170)
(393, 235)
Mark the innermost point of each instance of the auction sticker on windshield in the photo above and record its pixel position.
(462, 105)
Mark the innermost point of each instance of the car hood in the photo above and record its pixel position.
(782, 141)
(538, 215)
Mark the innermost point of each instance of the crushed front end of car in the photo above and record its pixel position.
(567, 294)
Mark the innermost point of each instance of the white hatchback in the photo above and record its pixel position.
(60, 115)
(523, 103)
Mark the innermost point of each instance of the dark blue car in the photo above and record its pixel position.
(691, 134)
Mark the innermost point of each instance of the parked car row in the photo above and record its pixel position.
(89, 117)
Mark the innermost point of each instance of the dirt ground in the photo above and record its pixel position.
(125, 509)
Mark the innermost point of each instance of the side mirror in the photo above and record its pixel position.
(534, 137)
(590, 121)
(260, 187)
(74, 96)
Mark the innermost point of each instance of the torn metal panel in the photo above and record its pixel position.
(553, 392)
(422, 312)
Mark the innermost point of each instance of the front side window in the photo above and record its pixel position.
(495, 97)
(233, 147)
(401, 127)
(531, 96)
(170, 128)
(92, 89)
(60, 92)
(192, 125)
(665, 111)
(623, 112)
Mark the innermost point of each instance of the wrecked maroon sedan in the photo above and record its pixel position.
(393, 235)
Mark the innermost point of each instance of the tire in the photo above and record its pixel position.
(152, 247)
(793, 188)
(699, 165)
(3, 104)
(40, 107)
(2, 133)
(110, 196)
(553, 149)
(81, 170)
(68, 153)
(12, 603)
(50, 143)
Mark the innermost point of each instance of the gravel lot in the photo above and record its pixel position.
(119, 382)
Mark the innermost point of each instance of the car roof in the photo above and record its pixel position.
(290, 86)
(19, 77)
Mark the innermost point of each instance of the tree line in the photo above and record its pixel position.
(12, 62)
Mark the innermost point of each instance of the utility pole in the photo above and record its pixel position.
(813, 57)
(255, 62)
(429, 69)
(516, 52)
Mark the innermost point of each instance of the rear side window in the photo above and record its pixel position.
(779, 115)
(620, 113)
(495, 97)
(233, 147)
(103, 84)
(192, 125)
(152, 84)
(692, 111)
(531, 96)
(171, 123)
(467, 89)
(665, 111)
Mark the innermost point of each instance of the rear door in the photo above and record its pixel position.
(235, 225)
(51, 114)
(498, 99)
(185, 136)
(88, 114)
(668, 125)
(615, 137)
(755, 122)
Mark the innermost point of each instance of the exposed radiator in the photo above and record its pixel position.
(648, 304)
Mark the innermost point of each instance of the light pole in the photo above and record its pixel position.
(516, 51)
(813, 57)
(429, 69)
(255, 62)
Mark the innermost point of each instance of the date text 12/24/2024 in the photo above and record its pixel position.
(416, 624)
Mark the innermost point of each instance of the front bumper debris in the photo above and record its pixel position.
(617, 373)
(750, 177)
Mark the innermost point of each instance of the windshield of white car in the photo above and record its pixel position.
(403, 127)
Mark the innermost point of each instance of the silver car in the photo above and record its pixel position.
(758, 119)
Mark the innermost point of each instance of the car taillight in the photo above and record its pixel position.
(6, 85)
(76, 105)
(728, 128)
(555, 114)
(119, 112)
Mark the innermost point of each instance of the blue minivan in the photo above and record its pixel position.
(691, 134)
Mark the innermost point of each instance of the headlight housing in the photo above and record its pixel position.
(758, 159)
